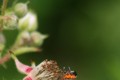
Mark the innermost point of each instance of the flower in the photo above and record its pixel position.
(46, 70)
(38, 38)
(28, 22)
(10, 21)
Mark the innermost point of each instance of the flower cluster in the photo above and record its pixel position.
(28, 39)
(22, 19)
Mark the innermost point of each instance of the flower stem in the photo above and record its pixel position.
(5, 58)
(3, 8)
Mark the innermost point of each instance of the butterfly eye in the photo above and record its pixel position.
(74, 73)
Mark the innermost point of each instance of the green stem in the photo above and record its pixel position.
(23, 50)
(4, 5)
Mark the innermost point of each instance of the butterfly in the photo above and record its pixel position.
(46, 70)
(69, 74)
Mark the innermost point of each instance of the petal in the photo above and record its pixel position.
(27, 78)
(22, 67)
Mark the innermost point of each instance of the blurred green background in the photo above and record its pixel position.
(83, 34)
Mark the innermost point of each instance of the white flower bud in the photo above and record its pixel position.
(38, 38)
(29, 22)
(21, 9)
(10, 21)
(23, 39)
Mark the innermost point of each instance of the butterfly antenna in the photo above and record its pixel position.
(64, 70)
(69, 69)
